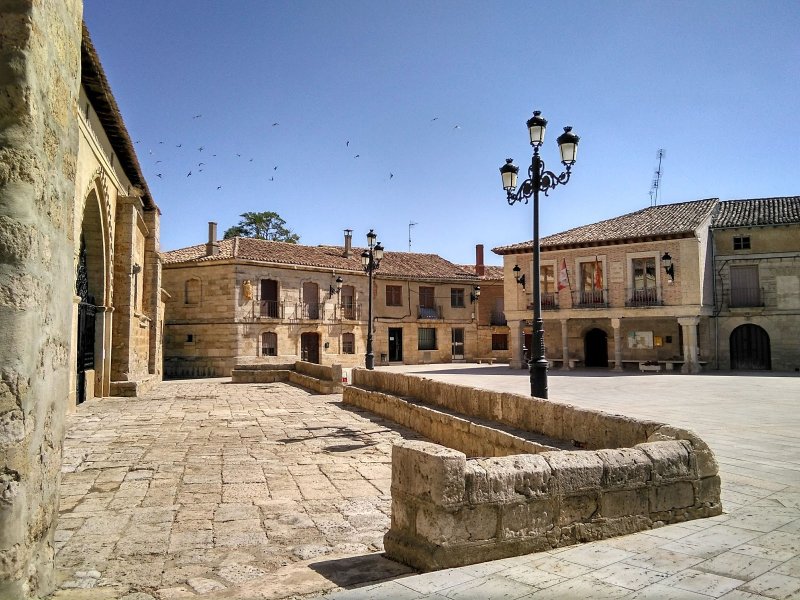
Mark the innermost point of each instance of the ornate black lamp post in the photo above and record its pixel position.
(538, 180)
(371, 260)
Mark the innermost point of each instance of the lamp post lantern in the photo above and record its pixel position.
(538, 180)
(370, 260)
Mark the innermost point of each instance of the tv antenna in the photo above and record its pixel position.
(657, 179)
(410, 225)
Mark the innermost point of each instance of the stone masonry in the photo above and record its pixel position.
(39, 78)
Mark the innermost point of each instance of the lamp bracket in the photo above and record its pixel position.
(538, 179)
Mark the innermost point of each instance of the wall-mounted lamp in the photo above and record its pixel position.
(476, 293)
(136, 269)
(666, 260)
(520, 279)
(335, 290)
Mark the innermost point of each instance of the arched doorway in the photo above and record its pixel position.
(309, 347)
(595, 348)
(750, 348)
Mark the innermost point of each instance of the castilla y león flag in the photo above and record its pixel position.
(563, 276)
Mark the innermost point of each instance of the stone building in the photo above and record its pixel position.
(243, 300)
(695, 284)
(756, 250)
(76, 312)
(607, 297)
(118, 308)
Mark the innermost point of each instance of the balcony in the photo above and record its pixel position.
(590, 299)
(350, 312)
(429, 312)
(549, 301)
(498, 318)
(271, 309)
(642, 297)
(742, 297)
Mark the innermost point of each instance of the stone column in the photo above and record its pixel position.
(40, 54)
(152, 282)
(616, 323)
(517, 339)
(691, 362)
(565, 344)
(123, 338)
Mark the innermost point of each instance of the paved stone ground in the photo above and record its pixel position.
(212, 490)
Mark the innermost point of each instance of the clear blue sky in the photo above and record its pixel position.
(713, 83)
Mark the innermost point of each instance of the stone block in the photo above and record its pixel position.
(527, 519)
(706, 462)
(708, 490)
(507, 479)
(671, 496)
(671, 460)
(577, 509)
(468, 524)
(429, 472)
(624, 467)
(625, 503)
(575, 472)
(403, 514)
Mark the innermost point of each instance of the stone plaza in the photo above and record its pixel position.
(203, 488)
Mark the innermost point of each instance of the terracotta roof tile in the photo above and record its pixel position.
(401, 265)
(651, 222)
(757, 211)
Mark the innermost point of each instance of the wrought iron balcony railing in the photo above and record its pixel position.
(642, 297)
(429, 312)
(351, 312)
(590, 299)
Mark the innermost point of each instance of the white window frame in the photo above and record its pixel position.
(629, 258)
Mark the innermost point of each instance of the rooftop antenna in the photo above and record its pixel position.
(657, 179)
(410, 225)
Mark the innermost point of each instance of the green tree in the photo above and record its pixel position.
(266, 225)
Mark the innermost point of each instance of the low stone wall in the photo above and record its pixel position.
(319, 378)
(449, 510)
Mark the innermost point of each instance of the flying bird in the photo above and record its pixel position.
(274, 124)
(347, 143)
(201, 148)
(160, 142)
(200, 164)
(158, 175)
(356, 156)
(219, 187)
(189, 173)
(275, 168)
(239, 155)
(158, 161)
(434, 119)
(179, 145)
(197, 116)
(251, 160)
(137, 142)
(391, 175)
(272, 179)
(456, 126)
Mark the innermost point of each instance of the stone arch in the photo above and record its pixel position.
(750, 348)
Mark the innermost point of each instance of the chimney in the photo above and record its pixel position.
(212, 247)
(480, 270)
(348, 242)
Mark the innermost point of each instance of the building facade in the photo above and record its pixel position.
(756, 246)
(693, 285)
(243, 300)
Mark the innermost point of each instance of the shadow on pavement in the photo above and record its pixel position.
(357, 571)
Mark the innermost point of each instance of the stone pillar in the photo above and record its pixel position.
(691, 363)
(123, 337)
(565, 344)
(152, 281)
(517, 339)
(616, 323)
(40, 57)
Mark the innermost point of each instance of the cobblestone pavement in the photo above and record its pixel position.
(220, 491)
(203, 485)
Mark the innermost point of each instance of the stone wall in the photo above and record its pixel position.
(319, 378)
(39, 82)
(448, 510)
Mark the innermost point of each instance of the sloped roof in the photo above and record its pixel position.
(490, 272)
(653, 222)
(93, 80)
(399, 265)
(757, 211)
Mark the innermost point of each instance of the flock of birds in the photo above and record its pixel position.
(198, 167)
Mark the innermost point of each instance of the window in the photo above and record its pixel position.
(591, 284)
(348, 295)
(191, 291)
(499, 341)
(348, 343)
(394, 295)
(547, 286)
(189, 338)
(741, 242)
(269, 298)
(457, 297)
(426, 297)
(644, 281)
(269, 344)
(745, 290)
(426, 339)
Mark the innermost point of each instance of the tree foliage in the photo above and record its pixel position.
(265, 225)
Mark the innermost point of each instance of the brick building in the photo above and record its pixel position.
(678, 286)
(245, 300)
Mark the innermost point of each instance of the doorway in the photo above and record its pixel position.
(457, 343)
(395, 344)
(87, 311)
(595, 348)
(750, 348)
(309, 347)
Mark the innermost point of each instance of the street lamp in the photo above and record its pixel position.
(544, 181)
(371, 260)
